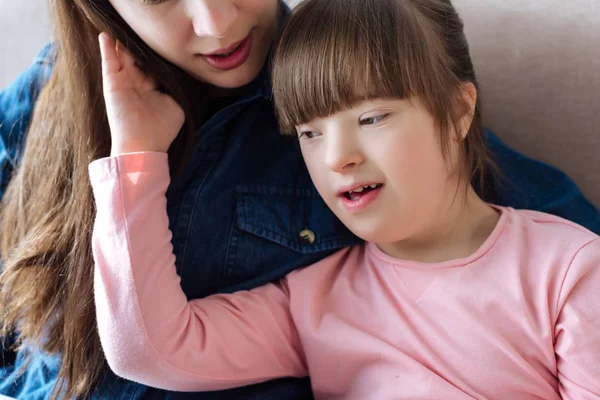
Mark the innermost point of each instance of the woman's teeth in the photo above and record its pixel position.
(228, 54)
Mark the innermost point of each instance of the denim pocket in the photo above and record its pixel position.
(278, 230)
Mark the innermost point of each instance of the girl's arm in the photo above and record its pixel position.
(149, 331)
(577, 330)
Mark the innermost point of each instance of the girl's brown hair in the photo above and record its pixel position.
(47, 213)
(335, 53)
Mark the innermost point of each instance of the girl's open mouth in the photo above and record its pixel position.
(357, 194)
(359, 198)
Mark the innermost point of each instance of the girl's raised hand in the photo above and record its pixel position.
(141, 118)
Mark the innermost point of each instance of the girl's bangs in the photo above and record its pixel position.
(329, 63)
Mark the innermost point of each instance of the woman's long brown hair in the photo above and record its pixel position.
(47, 213)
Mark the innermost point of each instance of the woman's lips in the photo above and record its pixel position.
(239, 55)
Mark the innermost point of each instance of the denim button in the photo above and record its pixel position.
(308, 236)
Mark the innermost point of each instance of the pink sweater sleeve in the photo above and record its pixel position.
(577, 331)
(149, 331)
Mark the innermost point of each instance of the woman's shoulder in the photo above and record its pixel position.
(18, 99)
(17, 102)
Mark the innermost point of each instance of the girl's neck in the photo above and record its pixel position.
(456, 233)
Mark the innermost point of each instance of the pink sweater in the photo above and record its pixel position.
(519, 319)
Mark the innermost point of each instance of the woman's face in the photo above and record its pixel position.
(220, 42)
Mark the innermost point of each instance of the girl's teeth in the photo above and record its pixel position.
(362, 189)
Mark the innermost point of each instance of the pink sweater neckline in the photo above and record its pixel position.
(487, 245)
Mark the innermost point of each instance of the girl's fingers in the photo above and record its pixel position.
(150, 82)
(124, 55)
(119, 69)
(110, 59)
(138, 77)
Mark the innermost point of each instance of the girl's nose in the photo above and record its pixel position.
(342, 153)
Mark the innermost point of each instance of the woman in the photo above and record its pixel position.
(240, 200)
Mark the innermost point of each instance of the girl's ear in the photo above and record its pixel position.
(466, 110)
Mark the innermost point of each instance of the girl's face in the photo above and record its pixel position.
(379, 166)
(221, 42)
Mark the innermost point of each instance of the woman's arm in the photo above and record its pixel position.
(577, 330)
(149, 331)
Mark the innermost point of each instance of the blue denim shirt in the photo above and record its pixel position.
(236, 213)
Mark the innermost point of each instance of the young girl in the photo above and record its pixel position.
(450, 298)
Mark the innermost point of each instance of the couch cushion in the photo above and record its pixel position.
(539, 66)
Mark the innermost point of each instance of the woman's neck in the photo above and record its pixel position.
(456, 233)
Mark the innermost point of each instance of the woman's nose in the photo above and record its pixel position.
(214, 18)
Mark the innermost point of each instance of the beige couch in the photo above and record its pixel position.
(538, 62)
(539, 65)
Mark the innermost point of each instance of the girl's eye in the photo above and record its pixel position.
(373, 120)
(309, 134)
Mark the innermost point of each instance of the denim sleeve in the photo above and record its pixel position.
(530, 184)
(16, 107)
